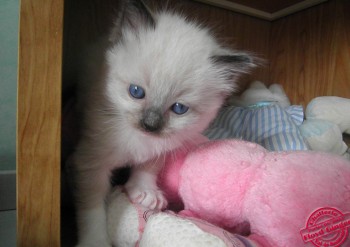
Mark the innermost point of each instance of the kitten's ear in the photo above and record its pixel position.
(134, 15)
(234, 64)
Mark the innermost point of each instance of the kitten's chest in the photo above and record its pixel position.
(132, 152)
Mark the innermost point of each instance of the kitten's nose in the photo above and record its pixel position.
(152, 120)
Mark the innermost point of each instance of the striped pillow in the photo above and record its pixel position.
(270, 125)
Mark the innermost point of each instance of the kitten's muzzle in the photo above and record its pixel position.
(152, 120)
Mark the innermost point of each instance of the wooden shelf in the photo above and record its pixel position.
(267, 10)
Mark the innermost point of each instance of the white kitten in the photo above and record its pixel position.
(155, 86)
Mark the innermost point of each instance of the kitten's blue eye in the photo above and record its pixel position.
(136, 91)
(179, 108)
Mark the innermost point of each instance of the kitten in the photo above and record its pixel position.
(153, 87)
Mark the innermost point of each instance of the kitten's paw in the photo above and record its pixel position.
(149, 198)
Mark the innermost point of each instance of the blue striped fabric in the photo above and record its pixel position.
(272, 126)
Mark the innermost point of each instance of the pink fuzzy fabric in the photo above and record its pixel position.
(232, 182)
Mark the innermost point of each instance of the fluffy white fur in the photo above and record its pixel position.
(173, 60)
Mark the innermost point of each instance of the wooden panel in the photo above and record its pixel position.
(310, 52)
(38, 123)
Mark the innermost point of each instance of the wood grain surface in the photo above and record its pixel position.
(38, 123)
(310, 52)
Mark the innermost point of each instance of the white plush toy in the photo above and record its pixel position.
(331, 108)
(327, 118)
(258, 92)
(140, 227)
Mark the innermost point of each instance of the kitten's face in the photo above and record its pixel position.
(165, 83)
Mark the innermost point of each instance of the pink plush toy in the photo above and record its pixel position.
(241, 186)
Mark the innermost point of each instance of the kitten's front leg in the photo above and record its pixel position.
(142, 186)
(92, 186)
(92, 227)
